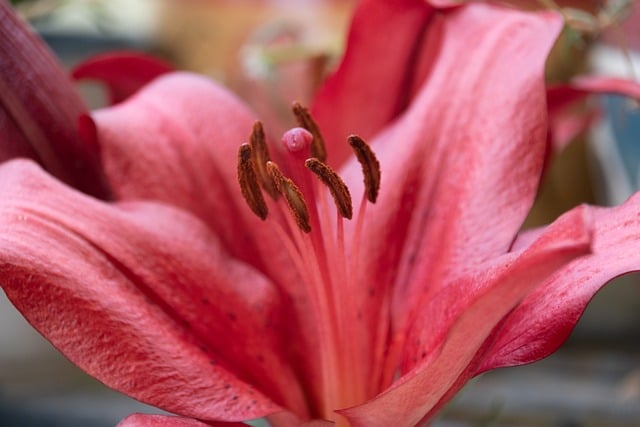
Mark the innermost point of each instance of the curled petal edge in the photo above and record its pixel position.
(417, 392)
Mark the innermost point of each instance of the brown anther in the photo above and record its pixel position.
(249, 182)
(370, 166)
(292, 195)
(260, 154)
(306, 121)
(338, 188)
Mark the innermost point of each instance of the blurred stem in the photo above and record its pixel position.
(36, 9)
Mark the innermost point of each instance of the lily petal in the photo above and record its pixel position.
(466, 170)
(465, 315)
(288, 419)
(124, 73)
(39, 108)
(176, 141)
(144, 420)
(389, 34)
(450, 195)
(543, 321)
(143, 297)
(13, 140)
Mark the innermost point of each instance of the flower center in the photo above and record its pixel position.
(304, 146)
(315, 241)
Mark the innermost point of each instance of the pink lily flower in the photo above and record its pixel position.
(176, 293)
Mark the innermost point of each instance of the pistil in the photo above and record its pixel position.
(316, 243)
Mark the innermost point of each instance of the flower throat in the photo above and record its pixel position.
(315, 242)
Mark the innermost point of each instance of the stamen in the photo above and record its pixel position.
(249, 182)
(260, 154)
(306, 121)
(292, 195)
(338, 188)
(370, 166)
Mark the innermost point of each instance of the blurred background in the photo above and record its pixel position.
(271, 52)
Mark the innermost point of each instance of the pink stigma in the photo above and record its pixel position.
(297, 139)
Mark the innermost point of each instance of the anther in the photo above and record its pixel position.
(249, 182)
(370, 166)
(306, 121)
(260, 154)
(292, 195)
(338, 188)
